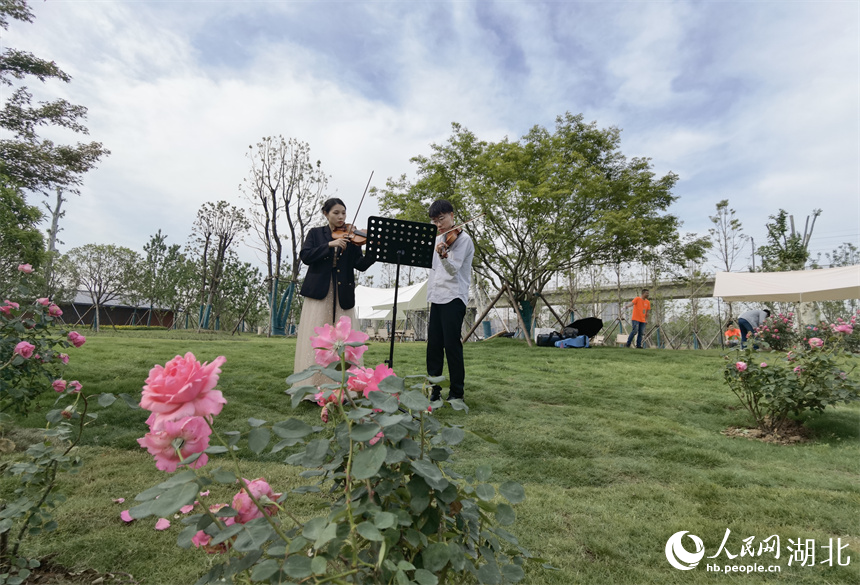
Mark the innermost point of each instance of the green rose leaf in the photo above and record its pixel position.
(427, 470)
(170, 501)
(505, 515)
(435, 557)
(368, 461)
(318, 565)
(384, 520)
(489, 575)
(424, 577)
(485, 491)
(292, 429)
(512, 492)
(224, 476)
(106, 399)
(130, 401)
(258, 439)
(363, 432)
(298, 567)
(414, 400)
(453, 435)
(265, 570)
(513, 573)
(384, 402)
(370, 532)
(392, 384)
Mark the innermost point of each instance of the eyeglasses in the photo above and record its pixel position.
(438, 219)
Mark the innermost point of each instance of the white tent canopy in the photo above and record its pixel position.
(827, 284)
(377, 303)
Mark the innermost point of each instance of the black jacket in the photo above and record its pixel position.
(319, 256)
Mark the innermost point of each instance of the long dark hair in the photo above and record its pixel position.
(330, 203)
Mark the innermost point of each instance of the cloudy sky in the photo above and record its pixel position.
(755, 102)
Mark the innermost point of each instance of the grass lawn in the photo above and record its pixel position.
(617, 449)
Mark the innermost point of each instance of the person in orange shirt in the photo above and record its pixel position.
(641, 305)
(733, 334)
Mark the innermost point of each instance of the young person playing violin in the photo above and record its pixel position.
(329, 286)
(448, 294)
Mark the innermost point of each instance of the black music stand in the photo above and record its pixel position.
(400, 242)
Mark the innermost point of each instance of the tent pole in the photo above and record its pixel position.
(486, 311)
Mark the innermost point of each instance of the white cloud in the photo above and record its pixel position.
(756, 102)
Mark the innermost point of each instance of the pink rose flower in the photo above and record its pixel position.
(201, 539)
(76, 338)
(7, 307)
(25, 268)
(844, 328)
(192, 433)
(126, 517)
(64, 357)
(54, 310)
(763, 365)
(24, 349)
(162, 524)
(74, 386)
(741, 366)
(44, 301)
(183, 387)
(330, 342)
(243, 504)
(815, 342)
(333, 396)
(59, 385)
(366, 380)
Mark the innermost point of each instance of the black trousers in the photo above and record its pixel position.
(443, 341)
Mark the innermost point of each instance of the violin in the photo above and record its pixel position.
(350, 233)
(448, 239)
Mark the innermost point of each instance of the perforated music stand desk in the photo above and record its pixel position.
(400, 242)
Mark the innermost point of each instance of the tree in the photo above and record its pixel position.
(282, 180)
(21, 241)
(846, 254)
(786, 249)
(243, 293)
(163, 272)
(552, 201)
(32, 162)
(217, 226)
(727, 234)
(106, 272)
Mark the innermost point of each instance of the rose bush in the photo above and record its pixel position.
(31, 364)
(818, 372)
(399, 512)
(779, 332)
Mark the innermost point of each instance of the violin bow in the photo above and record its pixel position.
(352, 225)
(456, 227)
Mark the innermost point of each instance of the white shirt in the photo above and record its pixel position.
(450, 277)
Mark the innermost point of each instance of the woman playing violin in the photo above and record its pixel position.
(329, 286)
(448, 295)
